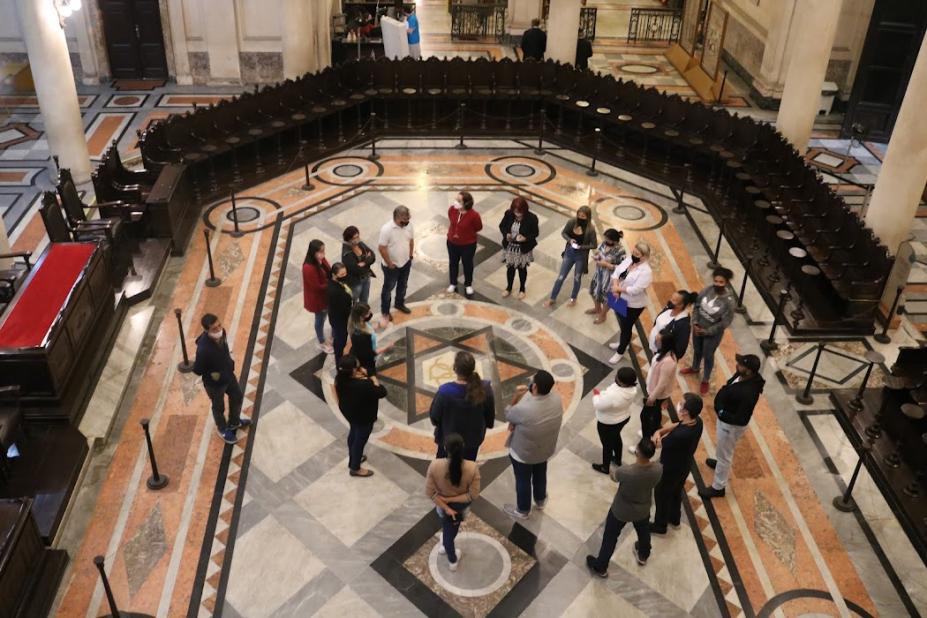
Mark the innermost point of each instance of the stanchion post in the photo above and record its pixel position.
(856, 404)
(542, 121)
(770, 344)
(236, 233)
(598, 146)
(213, 281)
(373, 156)
(845, 503)
(680, 207)
(114, 611)
(184, 366)
(740, 308)
(805, 397)
(883, 336)
(307, 186)
(714, 260)
(460, 125)
(156, 480)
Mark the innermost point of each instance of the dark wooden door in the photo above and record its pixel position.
(896, 30)
(134, 39)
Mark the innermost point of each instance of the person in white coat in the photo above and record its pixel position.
(630, 281)
(612, 412)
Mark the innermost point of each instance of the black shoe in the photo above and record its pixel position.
(710, 492)
(656, 530)
(711, 463)
(590, 562)
(600, 468)
(404, 309)
(637, 556)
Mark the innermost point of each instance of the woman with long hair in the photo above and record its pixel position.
(359, 259)
(612, 412)
(659, 385)
(630, 281)
(316, 272)
(452, 482)
(579, 234)
(358, 399)
(464, 225)
(364, 338)
(465, 406)
(520, 231)
(674, 320)
(609, 254)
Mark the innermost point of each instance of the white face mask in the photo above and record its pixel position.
(457, 205)
(216, 336)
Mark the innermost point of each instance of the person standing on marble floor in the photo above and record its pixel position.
(452, 482)
(520, 232)
(534, 42)
(214, 363)
(358, 399)
(612, 412)
(631, 504)
(359, 260)
(580, 237)
(630, 281)
(734, 405)
(713, 313)
(339, 301)
(678, 442)
(534, 418)
(316, 273)
(414, 36)
(660, 379)
(364, 339)
(674, 320)
(464, 223)
(465, 406)
(609, 254)
(397, 247)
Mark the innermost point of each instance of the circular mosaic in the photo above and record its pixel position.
(421, 359)
(492, 570)
(348, 171)
(639, 69)
(245, 214)
(628, 212)
(253, 210)
(520, 170)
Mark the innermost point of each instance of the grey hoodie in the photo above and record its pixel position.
(713, 312)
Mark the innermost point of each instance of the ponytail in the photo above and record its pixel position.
(465, 367)
(476, 394)
(454, 444)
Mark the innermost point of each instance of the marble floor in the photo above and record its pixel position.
(274, 526)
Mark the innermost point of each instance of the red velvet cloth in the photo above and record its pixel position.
(29, 320)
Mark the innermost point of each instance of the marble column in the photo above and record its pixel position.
(903, 175)
(816, 21)
(563, 30)
(306, 32)
(222, 40)
(179, 47)
(771, 76)
(520, 14)
(54, 85)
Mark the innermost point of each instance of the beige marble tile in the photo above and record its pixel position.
(597, 600)
(346, 603)
(285, 439)
(579, 496)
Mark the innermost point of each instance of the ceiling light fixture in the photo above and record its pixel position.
(66, 8)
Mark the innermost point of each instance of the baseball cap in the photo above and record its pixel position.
(750, 361)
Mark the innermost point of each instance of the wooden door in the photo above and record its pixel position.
(134, 39)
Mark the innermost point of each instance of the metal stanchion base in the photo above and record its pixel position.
(213, 282)
(307, 187)
(805, 401)
(679, 210)
(768, 348)
(741, 309)
(157, 483)
(882, 338)
(183, 367)
(712, 265)
(855, 404)
(461, 146)
(130, 615)
(237, 234)
(846, 507)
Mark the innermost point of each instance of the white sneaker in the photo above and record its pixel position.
(633, 449)
(614, 359)
(512, 510)
(640, 434)
(451, 289)
(453, 565)
(441, 550)
(469, 290)
(614, 345)
(327, 348)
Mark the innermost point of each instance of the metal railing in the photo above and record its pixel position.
(587, 20)
(654, 25)
(473, 22)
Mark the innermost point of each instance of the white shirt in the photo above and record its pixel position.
(665, 317)
(396, 239)
(613, 405)
(635, 284)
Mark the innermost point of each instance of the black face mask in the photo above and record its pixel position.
(720, 289)
(582, 223)
(635, 259)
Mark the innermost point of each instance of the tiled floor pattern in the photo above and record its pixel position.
(303, 538)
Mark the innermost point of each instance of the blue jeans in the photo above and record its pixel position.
(705, 346)
(397, 278)
(577, 260)
(357, 440)
(526, 477)
(361, 290)
(450, 527)
(320, 325)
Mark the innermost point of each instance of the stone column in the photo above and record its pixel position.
(904, 171)
(179, 47)
(816, 21)
(54, 85)
(520, 14)
(563, 30)
(222, 40)
(306, 37)
(775, 53)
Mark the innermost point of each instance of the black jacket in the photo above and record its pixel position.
(362, 349)
(583, 53)
(534, 43)
(339, 304)
(680, 329)
(356, 273)
(358, 400)
(528, 229)
(735, 402)
(213, 357)
(452, 413)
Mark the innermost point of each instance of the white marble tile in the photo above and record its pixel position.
(537, 287)
(597, 600)
(285, 439)
(346, 603)
(350, 507)
(295, 325)
(269, 566)
(579, 496)
(575, 317)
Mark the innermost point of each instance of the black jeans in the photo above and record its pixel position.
(627, 327)
(651, 417)
(394, 278)
(510, 277)
(339, 337)
(613, 529)
(528, 477)
(610, 437)
(217, 396)
(457, 254)
(667, 496)
(357, 440)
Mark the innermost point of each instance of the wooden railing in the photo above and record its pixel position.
(474, 22)
(654, 25)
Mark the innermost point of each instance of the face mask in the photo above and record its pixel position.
(368, 317)
(609, 244)
(403, 223)
(582, 223)
(355, 242)
(341, 278)
(720, 289)
(635, 259)
(216, 336)
(457, 205)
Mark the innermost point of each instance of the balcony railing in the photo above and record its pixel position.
(654, 25)
(471, 22)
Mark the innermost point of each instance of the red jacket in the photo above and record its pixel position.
(315, 286)
(464, 226)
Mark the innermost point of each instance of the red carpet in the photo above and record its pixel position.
(28, 321)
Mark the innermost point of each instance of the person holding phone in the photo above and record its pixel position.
(452, 483)
(464, 224)
(579, 234)
(630, 281)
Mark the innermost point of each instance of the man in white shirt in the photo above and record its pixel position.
(397, 247)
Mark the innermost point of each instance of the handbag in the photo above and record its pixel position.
(617, 304)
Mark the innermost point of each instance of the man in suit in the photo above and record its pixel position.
(583, 52)
(534, 41)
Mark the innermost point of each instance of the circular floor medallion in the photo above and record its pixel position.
(519, 170)
(245, 214)
(484, 570)
(348, 170)
(628, 212)
(639, 69)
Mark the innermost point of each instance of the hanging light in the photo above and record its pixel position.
(66, 8)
